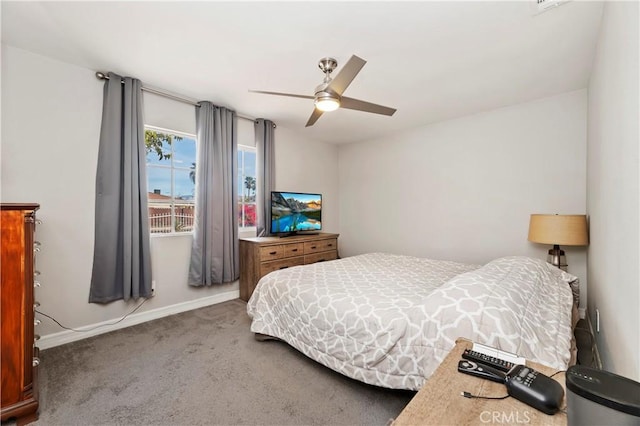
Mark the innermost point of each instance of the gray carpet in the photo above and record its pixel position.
(201, 367)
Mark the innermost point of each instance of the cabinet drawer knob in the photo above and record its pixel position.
(36, 305)
(313, 247)
(294, 250)
(36, 246)
(36, 361)
(36, 322)
(36, 273)
(38, 222)
(36, 337)
(36, 284)
(273, 252)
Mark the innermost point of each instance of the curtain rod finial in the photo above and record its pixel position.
(101, 75)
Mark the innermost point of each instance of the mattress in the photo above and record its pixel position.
(389, 320)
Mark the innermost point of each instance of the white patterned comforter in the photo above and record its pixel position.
(389, 320)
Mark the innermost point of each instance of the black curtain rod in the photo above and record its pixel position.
(164, 93)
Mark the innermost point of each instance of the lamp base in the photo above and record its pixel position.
(557, 258)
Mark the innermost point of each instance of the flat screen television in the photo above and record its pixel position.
(294, 212)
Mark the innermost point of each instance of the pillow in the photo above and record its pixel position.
(516, 303)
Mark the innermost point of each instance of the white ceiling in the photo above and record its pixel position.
(431, 60)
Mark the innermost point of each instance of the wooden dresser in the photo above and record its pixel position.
(261, 255)
(19, 355)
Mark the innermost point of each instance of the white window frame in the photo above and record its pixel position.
(172, 203)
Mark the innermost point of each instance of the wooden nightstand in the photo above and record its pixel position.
(440, 402)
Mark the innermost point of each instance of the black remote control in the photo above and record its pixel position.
(481, 370)
(497, 363)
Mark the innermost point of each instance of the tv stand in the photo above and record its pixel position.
(261, 255)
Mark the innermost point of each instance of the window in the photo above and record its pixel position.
(171, 176)
(246, 186)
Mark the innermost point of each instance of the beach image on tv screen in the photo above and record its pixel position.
(292, 212)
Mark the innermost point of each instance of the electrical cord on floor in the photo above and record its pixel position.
(93, 328)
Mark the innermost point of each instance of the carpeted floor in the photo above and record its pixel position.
(201, 367)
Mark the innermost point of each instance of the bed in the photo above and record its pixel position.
(389, 320)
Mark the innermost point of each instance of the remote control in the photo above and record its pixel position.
(497, 363)
(480, 370)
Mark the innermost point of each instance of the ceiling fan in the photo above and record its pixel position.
(328, 95)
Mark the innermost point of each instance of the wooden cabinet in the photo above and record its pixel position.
(261, 255)
(19, 355)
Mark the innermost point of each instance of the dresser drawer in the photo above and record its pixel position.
(275, 265)
(320, 257)
(271, 253)
(290, 250)
(319, 246)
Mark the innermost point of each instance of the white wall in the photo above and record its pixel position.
(613, 189)
(463, 189)
(308, 166)
(50, 132)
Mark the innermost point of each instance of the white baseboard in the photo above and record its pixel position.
(68, 336)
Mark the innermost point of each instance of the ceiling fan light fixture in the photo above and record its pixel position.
(327, 103)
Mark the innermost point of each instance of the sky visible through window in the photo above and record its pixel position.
(184, 158)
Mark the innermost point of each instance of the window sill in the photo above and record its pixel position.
(173, 234)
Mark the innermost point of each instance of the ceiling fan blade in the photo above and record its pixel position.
(282, 94)
(314, 117)
(350, 103)
(346, 74)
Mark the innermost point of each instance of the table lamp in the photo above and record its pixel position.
(557, 229)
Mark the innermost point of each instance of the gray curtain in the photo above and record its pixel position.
(121, 255)
(265, 173)
(214, 252)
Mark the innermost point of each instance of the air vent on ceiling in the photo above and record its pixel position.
(539, 6)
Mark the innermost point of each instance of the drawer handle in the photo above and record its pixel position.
(329, 245)
(294, 250)
(313, 247)
(273, 252)
(36, 361)
(283, 267)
